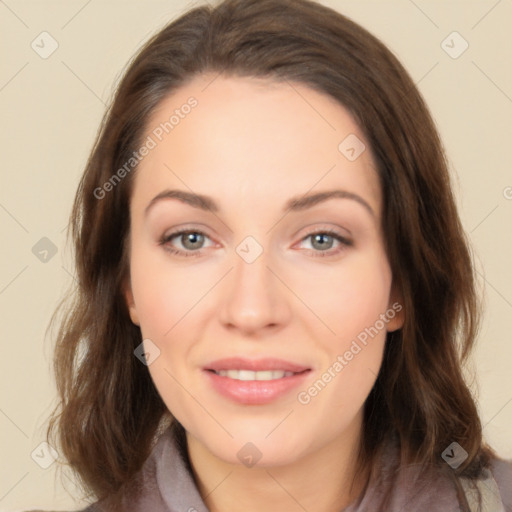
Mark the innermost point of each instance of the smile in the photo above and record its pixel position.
(247, 375)
(248, 387)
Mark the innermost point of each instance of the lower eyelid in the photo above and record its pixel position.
(167, 239)
(342, 241)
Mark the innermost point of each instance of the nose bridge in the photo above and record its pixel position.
(252, 296)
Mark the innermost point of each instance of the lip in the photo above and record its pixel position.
(240, 363)
(255, 392)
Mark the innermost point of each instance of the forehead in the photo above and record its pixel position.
(246, 140)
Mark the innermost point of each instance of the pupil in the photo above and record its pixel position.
(319, 238)
(193, 238)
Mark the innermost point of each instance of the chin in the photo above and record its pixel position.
(253, 449)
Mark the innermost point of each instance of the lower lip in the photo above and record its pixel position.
(255, 392)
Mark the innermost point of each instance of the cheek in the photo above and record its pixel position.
(348, 298)
(165, 299)
(351, 302)
(163, 293)
(356, 357)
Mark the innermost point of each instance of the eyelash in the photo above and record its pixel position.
(322, 254)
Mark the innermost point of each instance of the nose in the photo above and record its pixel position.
(254, 299)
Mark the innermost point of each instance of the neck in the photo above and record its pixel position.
(324, 480)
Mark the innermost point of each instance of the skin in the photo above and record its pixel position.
(251, 145)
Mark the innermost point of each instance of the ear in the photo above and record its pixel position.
(395, 311)
(130, 302)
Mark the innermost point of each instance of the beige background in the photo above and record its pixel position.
(51, 109)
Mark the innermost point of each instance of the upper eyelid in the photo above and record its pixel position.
(331, 231)
(176, 234)
(180, 232)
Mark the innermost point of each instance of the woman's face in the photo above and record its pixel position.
(267, 273)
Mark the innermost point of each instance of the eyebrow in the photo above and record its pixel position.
(294, 204)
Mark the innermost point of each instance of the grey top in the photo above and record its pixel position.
(166, 484)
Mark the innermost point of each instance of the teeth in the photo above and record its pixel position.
(250, 375)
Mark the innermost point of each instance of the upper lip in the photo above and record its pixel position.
(240, 363)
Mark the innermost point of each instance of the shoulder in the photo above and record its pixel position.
(395, 486)
(501, 470)
(158, 473)
(90, 508)
(493, 487)
(405, 487)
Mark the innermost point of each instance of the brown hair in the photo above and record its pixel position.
(110, 412)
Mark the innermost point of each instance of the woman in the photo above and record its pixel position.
(276, 295)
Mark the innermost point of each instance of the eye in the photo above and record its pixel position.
(191, 241)
(323, 241)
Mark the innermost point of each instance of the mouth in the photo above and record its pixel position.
(255, 382)
(241, 364)
(246, 375)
